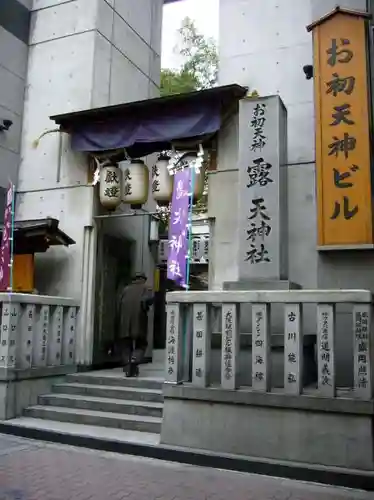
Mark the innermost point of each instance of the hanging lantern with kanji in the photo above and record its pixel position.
(110, 187)
(162, 181)
(135, 182)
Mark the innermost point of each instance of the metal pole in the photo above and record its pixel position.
(186, 330)
(189, 253)
(132, 214)
(12, 240)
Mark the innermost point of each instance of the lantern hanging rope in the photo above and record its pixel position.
(99, 166)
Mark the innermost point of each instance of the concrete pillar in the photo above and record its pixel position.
(82, 54)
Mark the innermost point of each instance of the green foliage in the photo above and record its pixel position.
(176, 82)
(199, 69)
(201, 55)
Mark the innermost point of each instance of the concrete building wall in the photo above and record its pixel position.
(224, 238)
(83, 54)
(267, 52)
(14, 34)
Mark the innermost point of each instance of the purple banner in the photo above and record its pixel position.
(178, 241)
(5, 250)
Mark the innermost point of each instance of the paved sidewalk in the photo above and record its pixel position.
(31, 470)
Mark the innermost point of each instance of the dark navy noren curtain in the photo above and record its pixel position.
(146, 133)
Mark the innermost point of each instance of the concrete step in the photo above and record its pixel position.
(66, 429)
(143, 444)
(116, 378)
(158, 356)
(112, 392)
(96, 418)
(142, 408)
(158, 368)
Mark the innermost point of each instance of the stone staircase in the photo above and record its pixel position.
(98, 400)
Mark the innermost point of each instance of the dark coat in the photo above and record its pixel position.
(134, 302)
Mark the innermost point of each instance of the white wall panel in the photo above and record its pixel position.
(13, 53)
(64, 85)
(63, 20)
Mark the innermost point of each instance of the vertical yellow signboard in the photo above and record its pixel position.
(342, 103)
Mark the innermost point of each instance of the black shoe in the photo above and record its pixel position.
(127, 370)
(134, 370)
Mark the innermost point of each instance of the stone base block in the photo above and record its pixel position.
(313, 430)
(21, 388)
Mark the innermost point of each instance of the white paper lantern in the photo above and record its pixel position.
(110, 187)
(154, 230)
(199, 182)
(188, 161)
(135, 182)
(162, 181)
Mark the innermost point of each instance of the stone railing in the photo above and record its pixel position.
(189, 329)
(37, 331)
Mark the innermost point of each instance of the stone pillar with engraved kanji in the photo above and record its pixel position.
(262, 230)
(262, 207)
